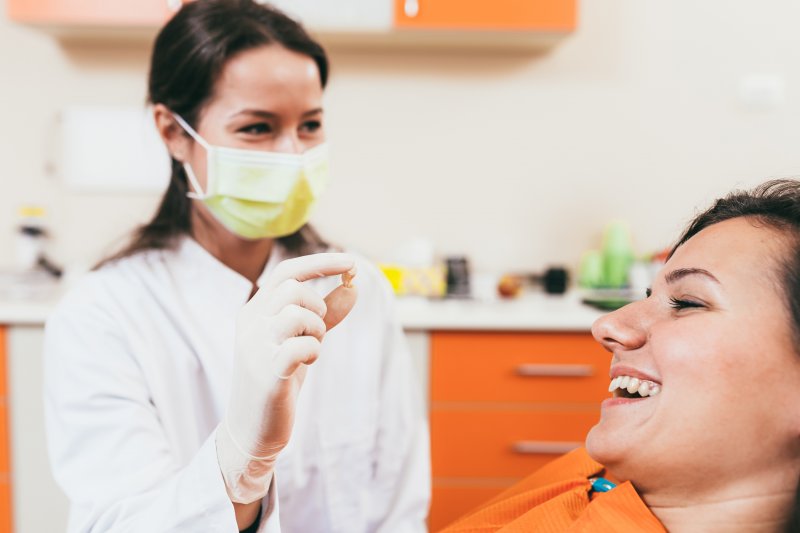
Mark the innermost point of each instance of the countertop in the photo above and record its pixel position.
(532, 312)
(26, 312)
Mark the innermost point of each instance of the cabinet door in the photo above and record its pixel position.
(341, 15)
(541, 15)
(120, 13)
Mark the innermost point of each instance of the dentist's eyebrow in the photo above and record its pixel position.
(254, 112)
(268, 114)
(681, 273)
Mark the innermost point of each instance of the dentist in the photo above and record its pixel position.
(177, 371)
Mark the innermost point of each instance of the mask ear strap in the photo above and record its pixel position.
(188, 129)
(198, 193)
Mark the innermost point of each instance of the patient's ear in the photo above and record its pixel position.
(175, 139)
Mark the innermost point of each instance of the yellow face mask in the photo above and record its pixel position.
(257, 194)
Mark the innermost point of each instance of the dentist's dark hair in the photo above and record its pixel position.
(775, 204)
(188, 57)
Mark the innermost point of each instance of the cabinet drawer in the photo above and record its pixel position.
(518, 367)
(491, 443)
(449, 502)
(543, 15)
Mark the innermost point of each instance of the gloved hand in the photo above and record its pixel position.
(278, 332)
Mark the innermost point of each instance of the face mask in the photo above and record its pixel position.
(258, 194)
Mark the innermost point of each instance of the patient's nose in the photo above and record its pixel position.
(623, 329)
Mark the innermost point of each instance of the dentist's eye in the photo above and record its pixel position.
(677, 303)
(256, 129)
(312, 126)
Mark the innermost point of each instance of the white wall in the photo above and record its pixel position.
(517, 160)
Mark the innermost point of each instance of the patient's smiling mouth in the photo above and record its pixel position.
(632, 387)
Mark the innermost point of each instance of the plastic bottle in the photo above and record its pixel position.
(617, 254)
(31, 235)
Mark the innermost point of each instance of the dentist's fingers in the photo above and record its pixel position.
(289, 292)
(308, 267)
(296, 321)
(293, 352)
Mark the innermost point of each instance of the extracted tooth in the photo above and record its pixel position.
(644, 389)
(633, 385)
(654, 390)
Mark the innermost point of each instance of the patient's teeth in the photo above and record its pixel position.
(623, 384)
(644, 389)
(633, 385)
(613, 385)
(655, 390)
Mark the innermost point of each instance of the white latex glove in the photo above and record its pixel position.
(278, 332)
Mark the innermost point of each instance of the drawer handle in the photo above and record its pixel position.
(568, 371)
(534, 447)
(411, 8)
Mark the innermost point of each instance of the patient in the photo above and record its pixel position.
(702, 432)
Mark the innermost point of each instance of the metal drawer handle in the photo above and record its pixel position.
(570, 371)
(411, 8)
(544, 447)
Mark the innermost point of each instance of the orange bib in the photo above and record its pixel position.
(557, 498)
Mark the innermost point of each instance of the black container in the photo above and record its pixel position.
(458, 277)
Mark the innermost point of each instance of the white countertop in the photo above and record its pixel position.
(25, 313)
(533, 312)
(537, 312)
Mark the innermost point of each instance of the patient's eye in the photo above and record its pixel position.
(679, 303)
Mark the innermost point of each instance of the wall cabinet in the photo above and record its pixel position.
(504, 404)
(428, 22)
(92, 13)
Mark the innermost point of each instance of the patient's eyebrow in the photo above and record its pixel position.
(681, 273)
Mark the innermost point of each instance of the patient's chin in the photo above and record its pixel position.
(603, 446)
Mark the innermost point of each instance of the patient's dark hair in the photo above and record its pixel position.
(776, 204)
(188, 57)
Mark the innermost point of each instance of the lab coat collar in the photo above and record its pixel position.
(202, 267)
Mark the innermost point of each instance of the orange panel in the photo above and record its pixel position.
(486, 367)
(89, 12)
(542, 15)
(3, 347)
(5, 462)
(6, 524)
(450, 502)
(479, 442)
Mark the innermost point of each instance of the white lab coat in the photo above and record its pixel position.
(138, 365)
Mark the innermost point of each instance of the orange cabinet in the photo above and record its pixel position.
(504, 404)
(5, 462)
(522, 15)
(92, 13)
